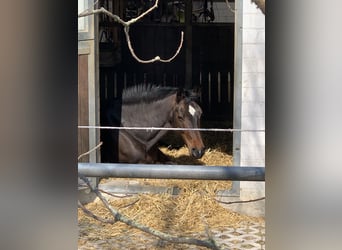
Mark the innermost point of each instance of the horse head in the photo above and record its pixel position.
(187, 114)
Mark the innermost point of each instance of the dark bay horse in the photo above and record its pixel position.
(149, 106)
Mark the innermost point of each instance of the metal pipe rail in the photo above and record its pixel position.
(151, 171)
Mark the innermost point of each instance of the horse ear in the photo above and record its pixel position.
(194, 94)
(197, 92)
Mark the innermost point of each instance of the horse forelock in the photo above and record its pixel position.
(195, 105)
(146, 93)
(192, 106)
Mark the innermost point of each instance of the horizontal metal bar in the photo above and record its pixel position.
(173, 129)
(152, 171)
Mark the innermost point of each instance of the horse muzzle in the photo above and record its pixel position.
(197, 153)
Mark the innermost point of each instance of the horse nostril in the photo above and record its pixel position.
(197, 153)
(201, 152)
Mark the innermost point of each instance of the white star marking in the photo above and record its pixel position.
(192, 111)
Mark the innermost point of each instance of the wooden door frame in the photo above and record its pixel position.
(87, 46)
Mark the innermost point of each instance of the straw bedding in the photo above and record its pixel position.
(192, 211)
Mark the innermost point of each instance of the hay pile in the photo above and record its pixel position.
(194, 209)
(190, 212)
(212, 157)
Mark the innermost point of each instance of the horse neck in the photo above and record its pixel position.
(153, 114)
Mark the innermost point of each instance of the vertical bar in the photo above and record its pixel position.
(97, 90)
(237, 92)
(110, 6)
(209, 90)
(106, 86)
(205, 94)
(224, 105)
(214, 105)
(129, 79)
(164, 79)
(200, 83)
(115, 85)
(224, 88)
(219, 87)
(229, 88)
(188, 44)
(83, 105)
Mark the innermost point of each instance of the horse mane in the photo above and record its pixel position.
(146, 93)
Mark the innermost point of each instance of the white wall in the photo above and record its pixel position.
(253, 96)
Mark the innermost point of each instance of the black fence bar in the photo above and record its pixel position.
(195, 172)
